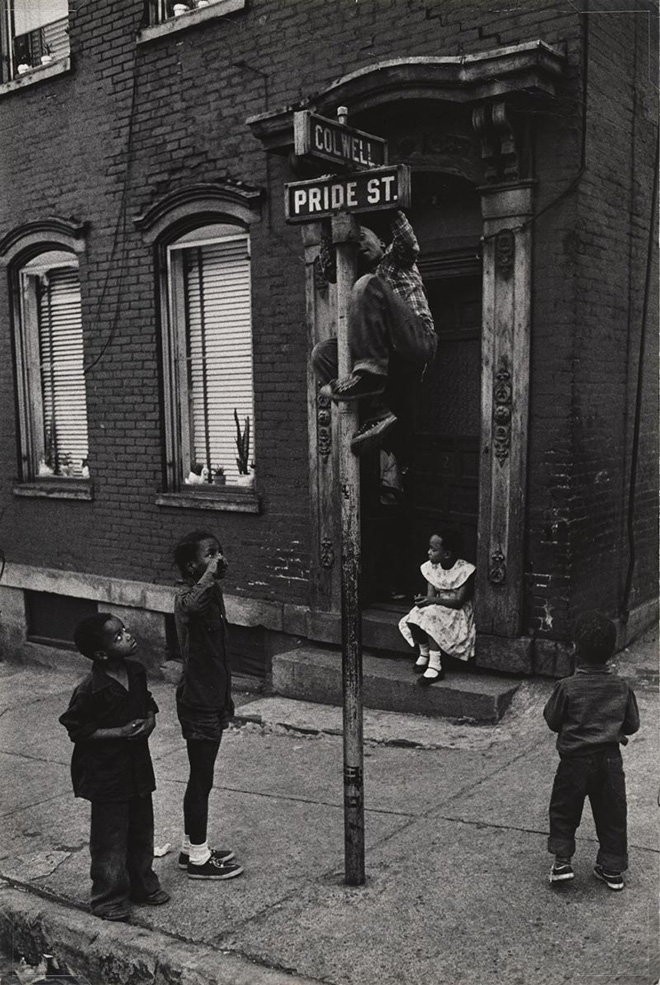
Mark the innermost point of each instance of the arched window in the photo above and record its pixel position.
(201, 236)
(49, 363)
(209, 348)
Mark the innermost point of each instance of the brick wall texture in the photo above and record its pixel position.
(135, 122)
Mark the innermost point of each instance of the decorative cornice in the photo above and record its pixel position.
(203, 195)
(522, 71)
(68, 231)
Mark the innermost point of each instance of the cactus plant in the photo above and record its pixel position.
(242, 445)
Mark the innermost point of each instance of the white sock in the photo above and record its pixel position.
(185, 845)
(434, 663)
(199, 854)
(423, 650)
(422, 660)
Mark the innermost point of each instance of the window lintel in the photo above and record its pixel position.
(219, 202)
(35, 237)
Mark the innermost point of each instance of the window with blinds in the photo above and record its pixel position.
(211, 307)
(33, 33)
(53, 364)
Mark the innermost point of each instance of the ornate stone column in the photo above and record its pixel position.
(506, 318)
(325, 573)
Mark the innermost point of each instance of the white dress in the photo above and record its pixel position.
(452, 629)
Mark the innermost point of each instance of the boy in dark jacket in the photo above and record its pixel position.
(593, 711)
(110, 718)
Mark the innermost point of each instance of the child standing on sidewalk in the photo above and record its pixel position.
(110, 718)
(443, 619)
(593, 711)
(203, 697)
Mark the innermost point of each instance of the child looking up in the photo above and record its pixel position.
(203, 697)
(110, 717)
(593, 711)
(443, 619)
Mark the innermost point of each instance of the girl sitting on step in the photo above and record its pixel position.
(442, 621)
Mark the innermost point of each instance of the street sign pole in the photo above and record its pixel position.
(345, 236)
(338, 198)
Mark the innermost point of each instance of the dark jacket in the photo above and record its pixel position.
(109, 769)
(201, 625)
(592, 710)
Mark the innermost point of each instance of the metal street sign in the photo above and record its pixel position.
(362, 191)
(316, 136)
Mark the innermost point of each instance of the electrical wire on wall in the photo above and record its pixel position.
(121, 229)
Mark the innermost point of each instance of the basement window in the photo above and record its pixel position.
(51, 619)
(34, 34)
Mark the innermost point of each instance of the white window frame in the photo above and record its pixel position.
(28, 367)
(49, 46)
(160, 20)
(176, 394)
(188, 211)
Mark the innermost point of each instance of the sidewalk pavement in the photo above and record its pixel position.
(456, 827)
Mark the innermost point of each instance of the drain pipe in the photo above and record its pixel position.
(625, 604)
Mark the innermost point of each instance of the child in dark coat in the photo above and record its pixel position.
(109, 719)
(593, 711)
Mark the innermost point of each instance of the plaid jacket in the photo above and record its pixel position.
(398, 267)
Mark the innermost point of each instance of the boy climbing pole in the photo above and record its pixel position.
(389, 321)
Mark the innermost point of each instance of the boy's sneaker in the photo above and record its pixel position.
(372, 433)
(223, 855)
(561, 872)
(356, 386)
(613, 880)
(156, 899)
(214, 869)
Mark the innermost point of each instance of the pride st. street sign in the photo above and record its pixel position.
(317, 137)
(361, 191)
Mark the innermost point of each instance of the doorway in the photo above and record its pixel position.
(437, 449)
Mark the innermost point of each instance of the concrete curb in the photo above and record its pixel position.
(108, 953)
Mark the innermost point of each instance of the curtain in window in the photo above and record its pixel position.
(62, 376)
(219, 352)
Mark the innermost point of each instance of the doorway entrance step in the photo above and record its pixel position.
(311, 673)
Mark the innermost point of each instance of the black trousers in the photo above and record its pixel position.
(600, 778)
(121, 844)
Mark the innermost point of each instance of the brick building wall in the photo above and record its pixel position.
(135, 122)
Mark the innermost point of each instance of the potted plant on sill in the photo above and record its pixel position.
(46, 55)
(243, 448)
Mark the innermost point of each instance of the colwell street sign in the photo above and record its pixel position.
(329, 140)
(362, 191)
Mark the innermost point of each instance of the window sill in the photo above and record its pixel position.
(230, 500)
(175, 24)
(39, 74)
(56, 489)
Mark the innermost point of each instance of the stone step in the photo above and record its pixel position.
(311, 673)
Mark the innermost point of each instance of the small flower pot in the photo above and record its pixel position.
(46, 59)
(201, 3)
(180, 9)
(245, 480)
(22, 69)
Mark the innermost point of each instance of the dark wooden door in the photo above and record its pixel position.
(437, 448)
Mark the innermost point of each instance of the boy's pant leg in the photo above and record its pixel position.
(568, 793)
(325, 360)
(107, 845)
(607, 794)
(140, 849)
(380, 323)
